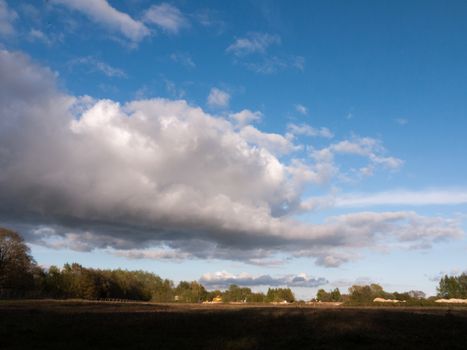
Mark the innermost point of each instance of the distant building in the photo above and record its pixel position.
(452, 301)
(382, 300)
(217, 299)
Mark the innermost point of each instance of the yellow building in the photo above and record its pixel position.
(217, 299)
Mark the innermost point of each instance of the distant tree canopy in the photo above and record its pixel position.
(453, 286)
(190, 292)
(279, 295)
(17, 267)
(239, 294)
(76, 281)
(236, 293)
(366, 293)
(331, 296)
(362, 294)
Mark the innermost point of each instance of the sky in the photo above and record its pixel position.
(312, 144)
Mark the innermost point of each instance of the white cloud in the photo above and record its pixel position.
(365, 147)
(401, 121)
(37, 35)
(218, 98)
(301, 109)
(210, 19)
(297, 62)
(358, 146)
(253, 43)
(223, 279)
(274, 143)
(246, 117)
(7, 17)
(256, 45)
(174, 90)
(308, 130)
(151, 254)
(404, 197)
(101, 12)
(273, 64)
(183, 59)
(97, 65)
(167, 17)
(163, 175)
(31, 12)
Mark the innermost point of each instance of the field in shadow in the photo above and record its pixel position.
(87, 325)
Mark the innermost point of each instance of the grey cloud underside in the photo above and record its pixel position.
(86, 174)
(223, 280)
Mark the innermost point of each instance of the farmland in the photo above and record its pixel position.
(75, 324)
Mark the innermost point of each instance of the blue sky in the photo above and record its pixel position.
(325, 139)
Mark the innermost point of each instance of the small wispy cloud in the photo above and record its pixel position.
(96, 65)
(184, 59)
(401, 121)
(173, 90)
(209, 18)
(38, 35)
(297, 62)
(252, 51)
(364, 147)
(253, 43)
(308, 130)
(218, 98)
(273, 64)
(167, 17)
(7, 17)
(301, 109)
(102, 13)
(404, 197)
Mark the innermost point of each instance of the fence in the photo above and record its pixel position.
(19, 294)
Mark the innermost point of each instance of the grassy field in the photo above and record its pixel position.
(89, 325)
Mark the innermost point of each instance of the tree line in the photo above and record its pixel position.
(449, 287)
(21, 276)
(363, 294)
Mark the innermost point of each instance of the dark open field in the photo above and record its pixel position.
(88, 325)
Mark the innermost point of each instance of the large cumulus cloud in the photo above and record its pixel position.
(164, 179)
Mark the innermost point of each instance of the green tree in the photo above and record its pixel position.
(256, 298)
(336, 295)
(367, 293)
(16, 264)
(323, 296)
(53, 283)
(453, 286)
(190, 292)
(360, 294)
(333, 295)
(279, 295)
(237, 294)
